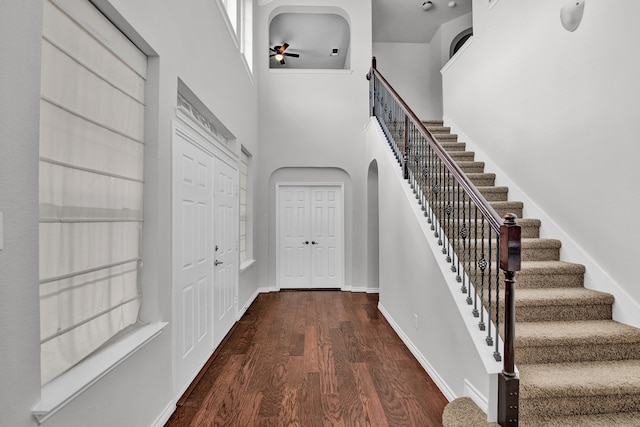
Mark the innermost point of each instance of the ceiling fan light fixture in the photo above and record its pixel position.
(279, 57)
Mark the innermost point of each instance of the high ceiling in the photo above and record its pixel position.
(404, 21)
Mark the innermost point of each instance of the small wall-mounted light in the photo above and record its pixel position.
(427, 5)
(334, 52)
(452, 4)
(571, 14)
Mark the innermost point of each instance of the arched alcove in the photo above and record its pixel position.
(459, 40)
(309, 39)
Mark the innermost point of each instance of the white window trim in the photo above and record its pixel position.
(61, 391)
(227, 21)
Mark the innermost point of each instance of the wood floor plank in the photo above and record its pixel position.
(311, 359)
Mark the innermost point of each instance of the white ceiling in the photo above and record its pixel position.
(314, 35)
(404, 21)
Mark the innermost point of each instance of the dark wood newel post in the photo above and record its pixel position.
(508, 382)
(372, 83)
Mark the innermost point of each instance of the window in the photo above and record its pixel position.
(91, 184)
(246, 40)
(246, 252)
(239, 19)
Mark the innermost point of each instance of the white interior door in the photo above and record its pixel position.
(225, 265)
(192, 257)
(310, 236)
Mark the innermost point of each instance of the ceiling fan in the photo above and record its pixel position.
(279, 53)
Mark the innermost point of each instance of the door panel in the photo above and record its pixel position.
(226, 249)
(192, 207)
(326, 259)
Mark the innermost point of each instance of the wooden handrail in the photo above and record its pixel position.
(495, 221)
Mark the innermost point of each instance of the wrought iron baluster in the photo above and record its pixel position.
(490, 305)
(475, 312)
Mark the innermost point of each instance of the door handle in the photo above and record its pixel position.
(314, 242)
(306, 242)
(217, 263)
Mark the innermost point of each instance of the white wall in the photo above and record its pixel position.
(310, 120)
(440, 46)
(557, 112)
(407, 68)
(415, 279)
(185, 43)
(413, 69)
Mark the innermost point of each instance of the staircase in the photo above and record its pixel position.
(578, 367)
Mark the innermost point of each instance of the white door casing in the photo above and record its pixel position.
(310, 227)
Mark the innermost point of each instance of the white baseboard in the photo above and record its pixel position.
(442, 385)
(165, 415)
(475, 395)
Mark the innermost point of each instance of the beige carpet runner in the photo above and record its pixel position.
(577, 366)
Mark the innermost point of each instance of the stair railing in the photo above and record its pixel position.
(482, 248)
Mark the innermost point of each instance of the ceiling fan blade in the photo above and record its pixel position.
(273, 54)
(282, 61)
(293, 55)
(273, 50)
(284, 46)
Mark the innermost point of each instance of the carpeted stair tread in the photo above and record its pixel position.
(433, 122)
(580, 379)
(454, 146)
(550, 274)
(620, 419)
(536, 297)
(561, 304)
(438, 129)
(596, 332)
(471, 166)
(575, 341)
(494, 194)
(459, 156)
(463, 412)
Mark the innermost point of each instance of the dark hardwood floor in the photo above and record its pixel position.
(312, 358)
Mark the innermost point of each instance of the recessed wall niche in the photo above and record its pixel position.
(309, 41)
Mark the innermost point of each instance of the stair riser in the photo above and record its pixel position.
(588, 352)
(560, 313)
(523, 280)
(558, 406)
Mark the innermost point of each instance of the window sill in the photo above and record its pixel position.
(246, 264)
(64, 389)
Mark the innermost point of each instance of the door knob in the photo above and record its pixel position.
(314, 242)
(217, 263)
(306, 242)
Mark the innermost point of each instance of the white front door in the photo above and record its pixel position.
(310, 236)
(192, 257)
(225, 238)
